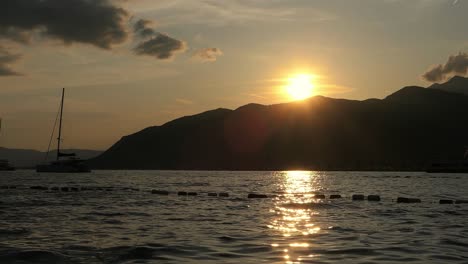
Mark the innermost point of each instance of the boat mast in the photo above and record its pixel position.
(0, 130)
(60, 125)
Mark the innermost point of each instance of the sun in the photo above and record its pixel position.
(300, 86)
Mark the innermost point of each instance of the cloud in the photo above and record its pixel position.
(143, 28)
(455, 65)
(222, 13)
(161, 46)
(96, 22)
(6, 59)
(184, 101)
(156, 44)
(207, 54)
(103, 24)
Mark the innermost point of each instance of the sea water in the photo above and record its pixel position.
(112, 217)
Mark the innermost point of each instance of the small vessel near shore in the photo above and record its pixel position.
(455, 166)
(69, 165)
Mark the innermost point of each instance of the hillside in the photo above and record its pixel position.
(456, 84)
(403, 131)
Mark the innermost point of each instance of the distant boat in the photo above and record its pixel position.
(456, 166)
(4, 164)
(70, 165)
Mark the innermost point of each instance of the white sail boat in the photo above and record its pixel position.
(69, 165)
(4, 164)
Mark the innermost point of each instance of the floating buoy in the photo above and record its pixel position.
(182, 193)
(192, 194)
(39, 188)
(160, 192)
(358, 197)
(319, 196)
(255, 195)
(373, 198)
(445, 201)
(223, 194)
(335, 196)
(408, 200)
(213, 194)
(461, 201)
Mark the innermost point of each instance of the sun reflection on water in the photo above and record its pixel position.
(296, 223)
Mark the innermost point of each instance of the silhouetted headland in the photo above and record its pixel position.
(404, 131)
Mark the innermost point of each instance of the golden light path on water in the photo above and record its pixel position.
(293, 221)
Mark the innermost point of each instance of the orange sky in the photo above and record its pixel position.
(223, 54)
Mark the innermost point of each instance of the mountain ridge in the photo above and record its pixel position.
(403, 131)
(457, 84)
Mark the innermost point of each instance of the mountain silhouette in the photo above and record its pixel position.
(404, 131)
(457, 84)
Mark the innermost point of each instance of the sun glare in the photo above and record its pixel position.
(300, 86)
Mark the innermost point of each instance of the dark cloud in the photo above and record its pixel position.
(143, 28)
(455, 65)
(6, 60)
(160, 46)
(156, 44)
(96, 22)
(101, 23)
(207, 54)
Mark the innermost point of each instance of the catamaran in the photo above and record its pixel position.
(4, 164)
(69, 165)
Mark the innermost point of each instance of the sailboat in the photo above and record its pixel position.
(4, 164)
(69, 165)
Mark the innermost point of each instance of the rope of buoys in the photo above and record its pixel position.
(354, 197)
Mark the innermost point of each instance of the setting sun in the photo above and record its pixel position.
(300, 86)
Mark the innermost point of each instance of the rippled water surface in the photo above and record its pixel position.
(112, 217)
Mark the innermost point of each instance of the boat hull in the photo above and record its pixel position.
(63, 168)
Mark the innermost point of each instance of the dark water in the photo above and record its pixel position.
(114, 218)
